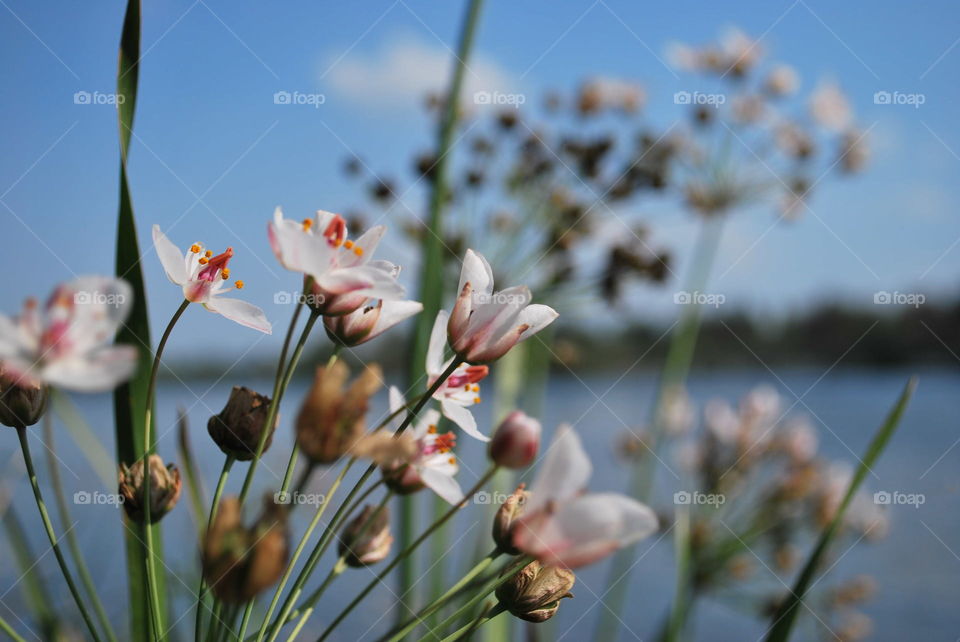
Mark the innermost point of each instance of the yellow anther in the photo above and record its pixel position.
(358, 251)
(452, 461)
(476, 400)
(208, 253)
(348, 244)
(238, 285)
(476, 388)
(307, 224)
(467, 387)
(195, 248)
(225, 273)
(203, 260)
(432, 430)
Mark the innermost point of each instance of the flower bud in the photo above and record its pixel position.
(535, 592)
(516, 441)
(505, 517)
(21, 403)
(402, 478)
(165, 484)
(240, 562)
(366, 540)
(331, 418)
(239, 426)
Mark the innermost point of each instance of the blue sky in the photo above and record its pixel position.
(213, 154)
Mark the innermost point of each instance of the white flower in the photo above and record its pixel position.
(562, 525)
(434, 463)
(830, 107)
(484, 324)
(461, 389)
(66, 343)
(344, 276)
(369, 320)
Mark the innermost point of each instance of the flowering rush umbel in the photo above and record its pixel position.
(344, 275)
(203, 277)
(564, 526)
(65, 343)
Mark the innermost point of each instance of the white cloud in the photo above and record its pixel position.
(401, 74)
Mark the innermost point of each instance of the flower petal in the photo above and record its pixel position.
(368, 241)
(477, 271)
(246, 314)
(171, 258)
(537, 317)
(564, 472)
(438, 341)
(96, 371)
(392, 313)
(362, 279)
(442, 484)
(462, 416)
(422, 428)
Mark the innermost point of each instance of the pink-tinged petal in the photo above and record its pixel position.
(536, 317)
(297, 249)
(94, 306)
(497, 315)
(462, 416)
(171, 258)
(564, 473)
(96, 371)
(368, 242)
(246, 314)
(10, 337)
(396, 402)
(392, 313)
(460, 319)
(438, 342)
(590, 527)
(477, 272)
(363, 279)
(443, 485)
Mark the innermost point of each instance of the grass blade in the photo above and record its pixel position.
(786, 615)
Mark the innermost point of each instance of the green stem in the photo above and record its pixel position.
(215, 504)
(436, 605)
(512, 569)
(56, 482)
(279, 387)
(489, 612)
(405, 552)
(51, 535)
(153, 596)
(6, 628)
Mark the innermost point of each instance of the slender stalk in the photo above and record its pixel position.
(512, 569)
(489, 612)
(214, 506)
(6, 628)
(51, 535)
(56, 482)
(440, 602)
(299, 549)
(153, 596)
(405, 552)
(431, 274)
(338, 568)
(279, 387)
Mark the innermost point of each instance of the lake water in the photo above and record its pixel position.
(917, 565)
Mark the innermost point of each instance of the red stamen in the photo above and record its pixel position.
(336, 231)
(215, 264)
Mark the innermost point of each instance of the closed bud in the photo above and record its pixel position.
(165, 485)
(505, 518)
(332, 419)
(239, 426)
(239, 562)
(535, 592)
(516, 441)
(21, 403)
(366, 540)
(402, 478)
